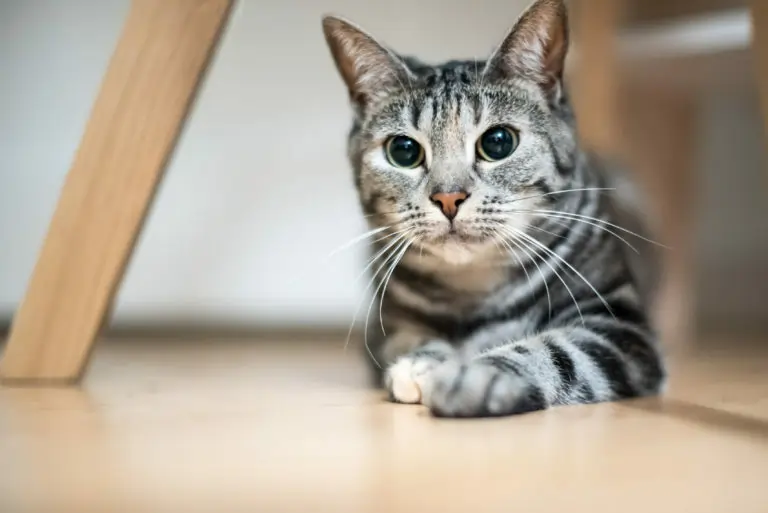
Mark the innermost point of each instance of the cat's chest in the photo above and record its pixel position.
(464, 291)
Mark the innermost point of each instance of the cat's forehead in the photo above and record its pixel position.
(453, 96)
(447, 74)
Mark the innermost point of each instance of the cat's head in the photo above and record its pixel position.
(452, 155)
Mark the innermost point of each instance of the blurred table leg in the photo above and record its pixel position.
(144, 98)
(596, 24)
(659, 144)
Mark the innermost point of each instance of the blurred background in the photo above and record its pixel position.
(259, 190)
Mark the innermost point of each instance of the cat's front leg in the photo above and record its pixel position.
(572, 365)
(410, 373)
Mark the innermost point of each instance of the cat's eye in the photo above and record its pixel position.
(497, 143)
(404, 152)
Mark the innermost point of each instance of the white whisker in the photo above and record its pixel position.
(567, 264)
(400, 249)
(543, 278)
(390, 254)
(597, 219)
(546, 262)
(386, 279)
(555, 193)
(356, 240)
(607, 230)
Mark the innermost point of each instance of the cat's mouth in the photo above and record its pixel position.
(457, 235)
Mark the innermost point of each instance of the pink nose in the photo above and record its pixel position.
(449, 202)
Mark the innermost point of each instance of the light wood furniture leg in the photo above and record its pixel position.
(759, 10)
(660, 149)
(146, 93)
(596, 24)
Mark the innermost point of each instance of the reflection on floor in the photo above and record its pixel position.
(241, 425)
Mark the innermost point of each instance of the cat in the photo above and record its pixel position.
(504, 281)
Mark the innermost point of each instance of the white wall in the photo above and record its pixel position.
(259, 184)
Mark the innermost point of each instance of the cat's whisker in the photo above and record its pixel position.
(357, 240)
(394, 212)
(546, 262)
(543, 230)
(543, 278)
(389, 254)
(387, 277)
(567, 264)
(600, 227)
(596, 219)
(393, 257)
(525, 270)
(381, 252)
(564, 191)
(512, 252)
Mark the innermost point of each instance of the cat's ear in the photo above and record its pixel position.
(536, 47)
(367, 67)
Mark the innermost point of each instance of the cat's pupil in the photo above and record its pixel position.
(403, 151)
(496, 143)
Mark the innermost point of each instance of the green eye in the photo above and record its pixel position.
(497, 143)
(404, 152)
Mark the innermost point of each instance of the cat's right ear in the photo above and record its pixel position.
(368, 68)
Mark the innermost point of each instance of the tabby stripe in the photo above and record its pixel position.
(565, 367)
(503, 364)
(634, 345)
(532, 400)
(415, 114)
(586, 393)
(611, 365)
(621, 308)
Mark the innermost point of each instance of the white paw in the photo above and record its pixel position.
(407, 377)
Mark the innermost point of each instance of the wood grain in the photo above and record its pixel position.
(145, 95)
(290, 426)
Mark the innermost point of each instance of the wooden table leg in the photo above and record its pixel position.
(660, 128)
(596, 81)
(146, 93)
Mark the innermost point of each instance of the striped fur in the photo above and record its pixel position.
(510, 307)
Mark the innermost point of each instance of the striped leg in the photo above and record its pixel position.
(570, 365)
(409, 373)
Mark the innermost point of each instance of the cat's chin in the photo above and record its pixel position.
(460, 250)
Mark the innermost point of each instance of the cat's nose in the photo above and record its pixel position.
(449, 202)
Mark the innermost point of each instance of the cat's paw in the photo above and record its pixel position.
(406, 378)
(473, 389)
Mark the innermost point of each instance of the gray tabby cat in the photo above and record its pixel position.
(504, 279)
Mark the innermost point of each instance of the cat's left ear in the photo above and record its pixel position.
(536, 47)
(368, 68)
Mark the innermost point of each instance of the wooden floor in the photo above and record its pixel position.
(224, 425)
